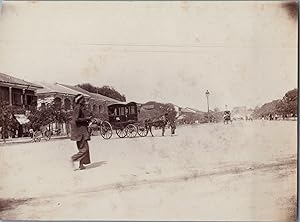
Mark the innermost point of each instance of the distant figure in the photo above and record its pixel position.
(227, 117)
(79, 132)
(171, 118)
(164, 119)
(173, 126)
(270, 117)
(31, 132)
(148, 125)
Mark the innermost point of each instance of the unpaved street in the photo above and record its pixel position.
(242, 171)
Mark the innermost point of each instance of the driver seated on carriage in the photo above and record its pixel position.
(227, 116)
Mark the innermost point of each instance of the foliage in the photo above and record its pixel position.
(7, 119)
(266, 109)
(217, 109)
(104, 90)
(47, 115)
(285, 106)
(290, 100)
(159, 109)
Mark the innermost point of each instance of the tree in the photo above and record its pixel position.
(8, 122)
(291, 100)
(47, 115)
(287, 105)
(104, 90)
(216, 109)
(266, 109)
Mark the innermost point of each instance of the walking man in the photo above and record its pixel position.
(79, 132)
(148, 124)
(164, 123)
(173, 126)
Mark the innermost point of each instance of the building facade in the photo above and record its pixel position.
(62, 95)
(17, 92)
(21, 96)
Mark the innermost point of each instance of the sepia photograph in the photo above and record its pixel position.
(149, 110)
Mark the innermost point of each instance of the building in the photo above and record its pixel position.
(62, 95)
(97, 103)
(17, 92)
(21, 95)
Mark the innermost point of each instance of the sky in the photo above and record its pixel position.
(244, 53)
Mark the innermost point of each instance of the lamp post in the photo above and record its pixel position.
(207, 95)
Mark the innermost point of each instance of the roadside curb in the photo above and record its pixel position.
(14, 142)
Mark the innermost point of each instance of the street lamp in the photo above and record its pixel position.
(207, 95)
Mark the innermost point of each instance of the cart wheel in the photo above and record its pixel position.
(131, 130)
(122, 132)
(37, 136)
(106, 130)
(142, 131)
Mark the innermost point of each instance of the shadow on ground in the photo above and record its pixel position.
(8, 204)
(96, 164)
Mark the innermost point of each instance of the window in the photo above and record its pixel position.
(57, 103)
(4, 94)
(17, 99)
(100, 109)
(94, 108)
(132, 110)
(122, 111)
(67, 104)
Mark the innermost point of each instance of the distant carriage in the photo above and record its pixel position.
(124, 120)
(227, 117)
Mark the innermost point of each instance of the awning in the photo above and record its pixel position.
(22, 119)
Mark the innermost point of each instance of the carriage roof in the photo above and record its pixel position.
(121, 104)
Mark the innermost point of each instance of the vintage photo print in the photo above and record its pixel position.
(148, 110)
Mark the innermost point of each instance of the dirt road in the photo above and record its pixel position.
(243, 171)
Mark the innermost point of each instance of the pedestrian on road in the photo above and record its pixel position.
(171, 118)
(173, 126)
(148, 124)
(79, 132)
(164, 123)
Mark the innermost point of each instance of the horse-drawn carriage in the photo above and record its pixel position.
(227, 117)
(123, 118)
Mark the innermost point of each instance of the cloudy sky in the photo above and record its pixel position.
(244, 53)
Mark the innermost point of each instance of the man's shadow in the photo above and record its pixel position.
(96, 164)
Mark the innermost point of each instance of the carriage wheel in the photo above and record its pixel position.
(131, 130)
(106, 130)
(142, 131)
(121, 132)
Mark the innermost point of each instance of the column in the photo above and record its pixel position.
(63, 102)
(10, 96)
(23, 99)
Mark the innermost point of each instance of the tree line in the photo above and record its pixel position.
(108, 91)
(286, 106)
